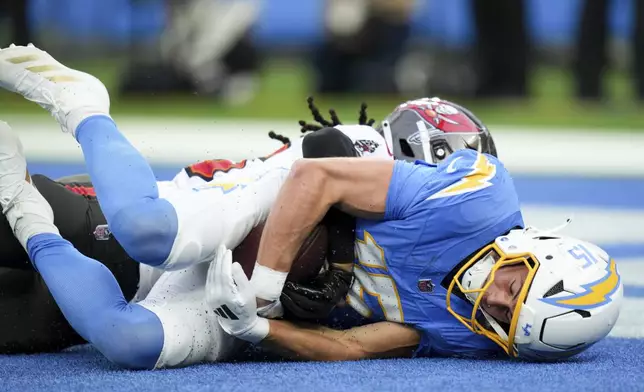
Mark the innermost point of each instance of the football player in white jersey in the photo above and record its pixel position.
(166, 324)
(201, 215)
(77, 212)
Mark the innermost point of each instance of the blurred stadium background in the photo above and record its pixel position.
(197, 79)
(432, 47)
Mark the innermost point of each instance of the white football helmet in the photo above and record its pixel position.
(570, 300)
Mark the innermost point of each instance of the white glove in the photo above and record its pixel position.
(271, 311)
(231, 296)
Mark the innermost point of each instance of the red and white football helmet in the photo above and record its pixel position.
(431, 129)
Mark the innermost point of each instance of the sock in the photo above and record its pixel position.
(144, 224)
(120, 174)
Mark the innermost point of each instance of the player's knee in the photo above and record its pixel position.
(146, 230)
(327, 143)
(132, 339)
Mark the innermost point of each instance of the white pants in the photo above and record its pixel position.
(191, 331)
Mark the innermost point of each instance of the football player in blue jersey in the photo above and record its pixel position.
(444, 266)
(441, 250)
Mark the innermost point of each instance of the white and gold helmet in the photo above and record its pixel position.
(570, 299)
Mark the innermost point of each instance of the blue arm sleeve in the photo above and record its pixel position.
(93, 303)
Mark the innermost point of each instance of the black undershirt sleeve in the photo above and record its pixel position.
(329, 143)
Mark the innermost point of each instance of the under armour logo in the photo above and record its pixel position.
(526, 329)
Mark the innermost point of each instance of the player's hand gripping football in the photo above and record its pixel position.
(317, 299)
(232, 298)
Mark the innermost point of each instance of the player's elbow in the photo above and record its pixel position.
(311, 170)
(312, 176)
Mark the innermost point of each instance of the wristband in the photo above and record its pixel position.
(267, 282)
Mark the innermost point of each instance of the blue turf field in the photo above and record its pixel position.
(617, 364)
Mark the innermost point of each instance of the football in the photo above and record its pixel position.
(308, 262)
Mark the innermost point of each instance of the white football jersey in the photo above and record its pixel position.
(366, 140)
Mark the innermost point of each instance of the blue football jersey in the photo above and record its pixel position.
(435, 217)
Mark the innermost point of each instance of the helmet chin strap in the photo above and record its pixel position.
(561, 226)
(386, 129)
(424, 140)
(554, 230)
